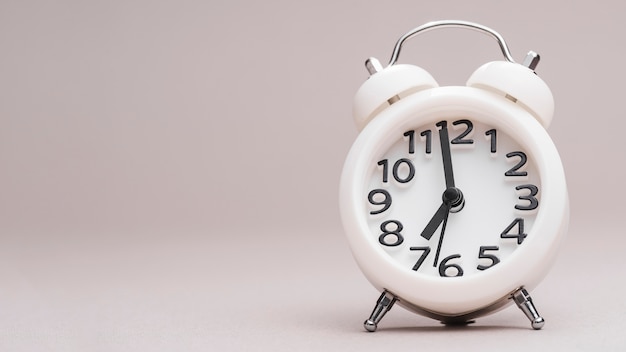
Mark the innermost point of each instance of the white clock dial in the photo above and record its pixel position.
(497, 178)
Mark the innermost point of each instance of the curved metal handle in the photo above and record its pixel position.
(450, 23)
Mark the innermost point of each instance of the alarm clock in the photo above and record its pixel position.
(453, 198)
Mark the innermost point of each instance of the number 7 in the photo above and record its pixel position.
(422, 257)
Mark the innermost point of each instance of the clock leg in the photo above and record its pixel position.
(383, 305)
(525, 303)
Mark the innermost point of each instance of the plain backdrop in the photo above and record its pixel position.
(169, 169)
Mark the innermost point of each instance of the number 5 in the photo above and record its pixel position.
(483, 255)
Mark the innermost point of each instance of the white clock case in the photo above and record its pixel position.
(486, 291)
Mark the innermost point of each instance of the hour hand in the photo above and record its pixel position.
(436, 220)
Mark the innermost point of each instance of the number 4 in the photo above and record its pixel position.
(520, 235)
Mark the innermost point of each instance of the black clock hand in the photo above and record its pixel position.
(443, 231)
(452, 194)
(445, 153)
(433, 224)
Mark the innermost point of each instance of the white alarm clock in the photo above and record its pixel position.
(454, 198)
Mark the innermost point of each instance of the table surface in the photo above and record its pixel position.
(291, 291)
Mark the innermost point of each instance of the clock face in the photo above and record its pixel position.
(459, 220)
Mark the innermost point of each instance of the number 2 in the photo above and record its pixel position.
(469, 127)
(514, 170)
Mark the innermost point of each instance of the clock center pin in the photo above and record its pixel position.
(454, 198)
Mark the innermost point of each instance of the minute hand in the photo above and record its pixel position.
(445, 153)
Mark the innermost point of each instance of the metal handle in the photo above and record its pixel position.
(450, 23)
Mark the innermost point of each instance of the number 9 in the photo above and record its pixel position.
(386, 202)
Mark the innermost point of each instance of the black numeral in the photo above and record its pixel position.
(468, 129)
(514, 170)
(428, 134)
(425, 251)
(384, 163)
(483, 255)
(395, 170)
(530, 197)
(394, 233)
(520, 235)
(411, 135)
(385, 202)
(493, 138)
(444, 266)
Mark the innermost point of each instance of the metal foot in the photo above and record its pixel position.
(383, 305)
(525, 303)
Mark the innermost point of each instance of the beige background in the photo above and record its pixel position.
(169, 171)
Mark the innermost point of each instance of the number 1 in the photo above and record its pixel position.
(411, 135)
(494, 141)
